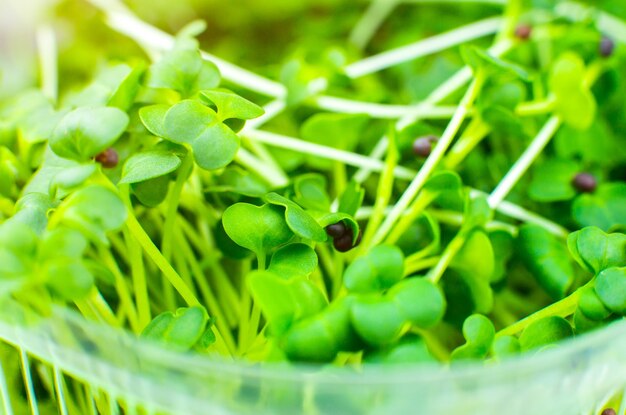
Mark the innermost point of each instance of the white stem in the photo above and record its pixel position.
(431, 162)
(330, 153)
(370, 21)
(271, 110)
(523, 163)
(423, 47)
(517, 212)
(273, 176)
(47, 49)
(383, 111)
(153, 38)
(456, 81)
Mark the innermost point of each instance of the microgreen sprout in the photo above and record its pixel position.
(426, 203)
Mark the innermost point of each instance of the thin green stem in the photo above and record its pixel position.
(411, 265)
(184, 171)
(432, 161)
(140, 285)
(126, 301)
(562, 308)
(448, 255)
(383, 194)
(523, 163)
(160, 261)
(370, 21)
(413, 212)
(212, 304)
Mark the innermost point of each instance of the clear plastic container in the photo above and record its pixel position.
(581, 376)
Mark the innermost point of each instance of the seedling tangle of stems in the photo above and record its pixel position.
(444, 181)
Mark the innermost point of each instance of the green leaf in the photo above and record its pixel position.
(87, 131)
(153, 118)
(552, 181)
(293, 260)
(61, 242)
(70, 178)
(480, 59)
(149, 165)
(575, 103)
(379, 270)
(543, 332)
(476, 257)
(351, 199)
(376, 319)
(180, 330)
(257, 228)
(320, 337)
(214, 144)
(151, 192)
(329, 218)
(595, 250)
(546, 257)
(183, 71)
(93, 210)
(591, 305)
(505, 346)
(69, 278)
(298, 220)
(479, 334)
(611, 288)
(230, 105)
(237, 180)
(419, 300)
(410, 349)
(310, 192)
(606, 208)
(284, 301)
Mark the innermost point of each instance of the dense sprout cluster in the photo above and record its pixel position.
(318, 214)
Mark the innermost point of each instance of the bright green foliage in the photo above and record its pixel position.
(410, 349)
(479, 334)
(184, 71)
(191, 123)
(595, 250)
(611, 288)
(420, 301)
(545, 332)
(591, 305)
(298, 220)
(284, 299)
(547, 258)
(505, 346)
(605, 208)
(180, 330)
(149, 165)
(552, 181)
(380, 269)
(293, 260)
(376, 319)
(93, 210)
(574, 101)
(351, 199)
(87, 131)
(230, 105)
(319, 338)
(258, 228)
(310, 192)
(481, 60)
